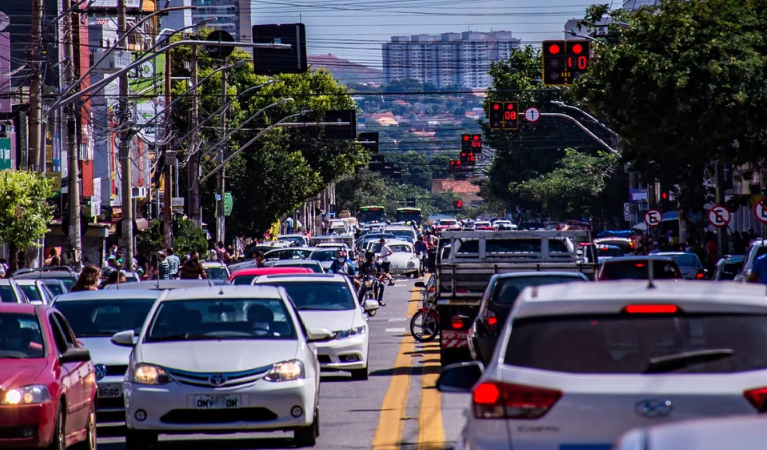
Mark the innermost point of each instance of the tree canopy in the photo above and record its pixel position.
(24, 211)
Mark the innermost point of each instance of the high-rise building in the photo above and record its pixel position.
(448, 58)
(232, 16)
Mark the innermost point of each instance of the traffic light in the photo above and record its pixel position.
(564, 61)
(344, 131)
(451, 166)
(458, 204)
(471, 143)
(369, 141)
(503, 116)
(467, 159)
(267, 61)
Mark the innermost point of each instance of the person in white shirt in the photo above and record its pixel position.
(385, 262)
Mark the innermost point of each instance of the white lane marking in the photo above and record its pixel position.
(398, 319)
(395, 330)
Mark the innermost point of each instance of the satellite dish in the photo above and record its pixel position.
(217, 51)
(4, 21)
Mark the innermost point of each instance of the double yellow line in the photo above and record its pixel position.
(391, 424)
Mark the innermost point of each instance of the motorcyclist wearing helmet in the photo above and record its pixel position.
(373, 269)
(343, 266)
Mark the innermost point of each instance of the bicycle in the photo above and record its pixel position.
(424, 326)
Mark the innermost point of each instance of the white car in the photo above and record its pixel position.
(220, 360)
(216, 271)
(330, 302)
(579, 364)
(94, 317)
(741, 433)
(403, 260)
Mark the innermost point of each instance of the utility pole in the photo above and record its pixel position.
(125, 144)
(169, 162)
(35, 160)
(193, 169)
(220, 178)
(75, 241)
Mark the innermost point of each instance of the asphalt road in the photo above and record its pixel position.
(397, 408)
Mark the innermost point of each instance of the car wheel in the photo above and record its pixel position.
(139, 440)
(307, 436)
(58, 442)
(360, 374)
(90, 437)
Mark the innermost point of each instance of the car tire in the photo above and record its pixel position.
(58, 442)
(307, 436)
(139, 440)
(360, 374)
(91, 436)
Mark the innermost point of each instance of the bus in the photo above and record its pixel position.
(409, 215)
(370, 214)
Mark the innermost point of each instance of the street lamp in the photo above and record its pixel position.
(589, 116)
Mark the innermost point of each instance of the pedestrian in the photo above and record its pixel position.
(258, 258)
(193, 269)
(221, 252)
(759, 270)
(53, 259)
(116, 277)
(173, 263)
(383, 255)
(89, 279)
(289, 225)
(163, 268)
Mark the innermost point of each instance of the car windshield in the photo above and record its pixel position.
(319, 296)
(217, 273)
(634, 344)
(105, 317)
(6, 294)
(219, 319)
(400, 233)
(637, 270)
(31, 292)
(243, 279)
(324, 255)
(507, 289)
(20, 336)
(610, 251)
(287, 254)
(686, 260)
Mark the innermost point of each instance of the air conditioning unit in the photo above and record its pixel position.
(139, 192)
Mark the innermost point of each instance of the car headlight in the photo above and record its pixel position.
(410, 264)
(286, 371)
(149, 374)
(343, 334)
(27, 395)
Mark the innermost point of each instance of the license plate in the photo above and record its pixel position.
(110, 390)
(585, 447)
(216, 401)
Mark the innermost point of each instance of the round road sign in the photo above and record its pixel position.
(532, 115)
(719, 216)
(218, 51)
(760, 210)
(653, 217)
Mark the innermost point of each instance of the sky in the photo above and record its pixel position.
(355, 29)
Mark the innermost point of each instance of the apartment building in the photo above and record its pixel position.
(232, 16)
(446, 59)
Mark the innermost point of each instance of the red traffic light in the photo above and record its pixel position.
(664, 196)
(476, 137)
(577, 49)
(496, 106)
(459, 204)
(509, 106)
(554, 49)
(466, 137)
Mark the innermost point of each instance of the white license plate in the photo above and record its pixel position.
(217, 401)
(110, 390)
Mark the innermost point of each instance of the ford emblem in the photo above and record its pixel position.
(101, 371)
(217, 379)
(653, 408)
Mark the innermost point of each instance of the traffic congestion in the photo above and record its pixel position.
(546, 330)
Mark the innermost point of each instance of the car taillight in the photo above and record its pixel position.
(492, 320)
(496, 400)
(457, 322)
(461, 291)
(757, 397)
(700, 275)
(651, 309)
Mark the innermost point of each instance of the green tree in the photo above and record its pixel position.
(364, 188)
(24, 210)
(186, 240)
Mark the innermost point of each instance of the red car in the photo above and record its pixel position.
(246, 276)
(47, 381)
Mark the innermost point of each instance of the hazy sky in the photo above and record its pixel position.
(355, 29)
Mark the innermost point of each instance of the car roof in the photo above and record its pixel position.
(25, 308)
(503, 276)
(161, 285)
(304, 278)
(50, 274)
(398, 242)
(611, 297)
(27, 281)
(111, 294)
(271, 271)
(222, 292)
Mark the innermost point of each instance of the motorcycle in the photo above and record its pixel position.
(371, 291)
(424, 326)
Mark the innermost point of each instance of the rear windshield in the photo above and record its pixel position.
(507, 289)
(243, 279)
(610, 251)
(637, 270)
(103, 317)
(623, 245)
(631, 344)
(686, 260)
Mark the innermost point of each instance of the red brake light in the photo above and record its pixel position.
(651, 309)
(492, 320)
(496, 400)
(457, 322)
(639, 265)
(699, 275)
(756, 397)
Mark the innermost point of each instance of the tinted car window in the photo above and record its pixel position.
(610, 251)
(319, 296)
(623, 245)
(518, 246)
(637, 270)
(6, 294)
(20, 336)
(507, 289)
(217, 273)
(687, 260)
(31, 292)
(324, 255)
(55, 288)
(609, 344)
(90, 318)
(243, 279)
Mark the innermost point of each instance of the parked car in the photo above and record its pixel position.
(48, 395)
(36, 291)
(638, 268)
(94, 317)
(10, 292)
(728, 267)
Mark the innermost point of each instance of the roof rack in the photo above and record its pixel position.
(45, 269)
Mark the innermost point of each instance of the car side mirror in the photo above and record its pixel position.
(125, 338)
(460, 377)
(370, 305)
(75, 354)
(319, 335)
(420, 284)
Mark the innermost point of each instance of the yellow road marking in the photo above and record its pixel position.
(391, 424)
(431, 432)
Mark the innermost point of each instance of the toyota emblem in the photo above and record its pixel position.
(217, 379)
(653, 408)
(101, 371)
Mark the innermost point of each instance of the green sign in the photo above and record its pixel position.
(228, 203)
(5, 154)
